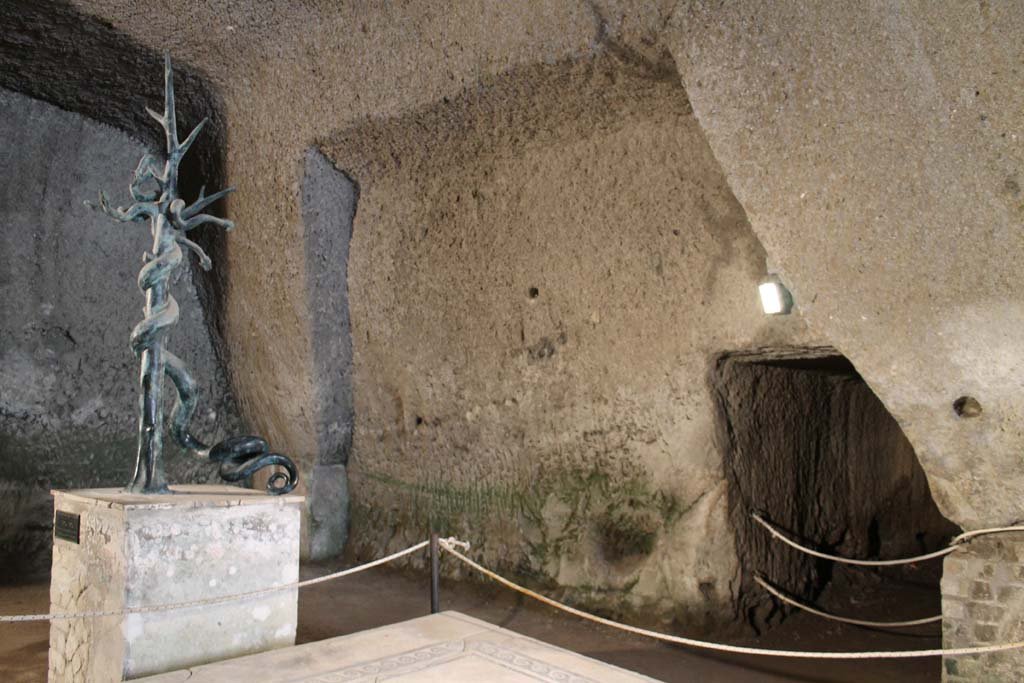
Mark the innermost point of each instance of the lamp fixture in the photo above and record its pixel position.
(775, 298)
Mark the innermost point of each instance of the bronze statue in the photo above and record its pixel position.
(154, 189)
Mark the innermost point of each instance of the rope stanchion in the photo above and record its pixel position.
(13, 618)
(722, 647)
(835, 617)
(435, 573)
(955, 543)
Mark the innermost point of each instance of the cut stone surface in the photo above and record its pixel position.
(441, 647)
(200, 542)
(533, 304)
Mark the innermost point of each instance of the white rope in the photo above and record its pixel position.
(736, 649)
(968, 535)
(953, 545)
(451, 541)
(214, 601)
(449, 544)
(834, 617)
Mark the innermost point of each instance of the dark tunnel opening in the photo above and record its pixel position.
(809, 446)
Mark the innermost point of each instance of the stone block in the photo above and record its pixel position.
(328, 511)
(985, 633)
(981, 591)
(1006, 593)
(952, 608)
(984, 613)
(200, 542)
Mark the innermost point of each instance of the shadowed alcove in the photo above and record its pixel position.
(809, 446)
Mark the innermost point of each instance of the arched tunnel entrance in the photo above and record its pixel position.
(809, 446)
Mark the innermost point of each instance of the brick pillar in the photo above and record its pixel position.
(982, 604)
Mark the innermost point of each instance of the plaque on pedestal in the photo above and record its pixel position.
(114, 550)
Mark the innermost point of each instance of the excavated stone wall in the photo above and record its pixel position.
(540, 270)
(877, 149)
(878, 155)
(874, 148)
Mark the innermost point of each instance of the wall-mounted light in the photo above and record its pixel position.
(775, 298)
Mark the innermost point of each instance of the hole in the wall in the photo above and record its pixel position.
(533, 292)
(808, 445)
(967, 406)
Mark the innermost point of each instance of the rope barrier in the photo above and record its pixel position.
(722, 647)
(834, 617)
(450, 544)
(10, 618)
(953, 545)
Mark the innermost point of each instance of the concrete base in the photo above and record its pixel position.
(448, 647)
(134, 550)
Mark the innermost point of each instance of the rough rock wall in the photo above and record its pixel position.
(291, 74)
(284, 75)
(877, 149)
(68, 301)
(541, 269)
(812, 449)
(874, 151)
(81, 64)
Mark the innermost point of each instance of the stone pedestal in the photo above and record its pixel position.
(113, 550)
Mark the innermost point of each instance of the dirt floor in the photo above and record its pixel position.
(383, 596)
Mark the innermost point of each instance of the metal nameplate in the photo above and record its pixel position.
(67, 526)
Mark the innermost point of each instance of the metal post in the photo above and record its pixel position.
(435, 574)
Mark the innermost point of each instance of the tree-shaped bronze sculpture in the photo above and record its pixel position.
(154, 189)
